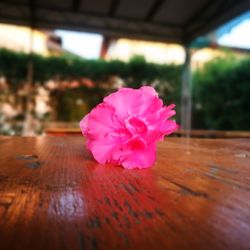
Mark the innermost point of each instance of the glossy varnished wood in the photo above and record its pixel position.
(192, 133)
(53, 195)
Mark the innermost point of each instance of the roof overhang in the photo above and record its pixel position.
(178, 21)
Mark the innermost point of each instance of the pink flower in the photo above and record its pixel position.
(124, 128)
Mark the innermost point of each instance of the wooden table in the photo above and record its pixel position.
(192, 133)
(196, 133)
(53, 195)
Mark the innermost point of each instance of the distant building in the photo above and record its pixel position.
(157, 52)
(204, 55)
(20, 38)
(47, 43)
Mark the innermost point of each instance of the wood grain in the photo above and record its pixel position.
(53, 195)
(192, 133)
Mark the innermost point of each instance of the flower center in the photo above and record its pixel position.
(136, 125)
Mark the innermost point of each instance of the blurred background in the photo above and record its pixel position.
(55, 67)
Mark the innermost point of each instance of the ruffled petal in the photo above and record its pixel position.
(151, 102)
(125, 101)
(128, 101)
(100, 122)
(169, 127)
(148, 90)
(102, 150)
(84, 124)
(125, 128)
(160, 115)
(141, 158)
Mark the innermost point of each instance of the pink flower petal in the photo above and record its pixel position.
(100, 122)
(84, 124)
(125, 128)
(102, 150)
(141, 158)
(125, 101)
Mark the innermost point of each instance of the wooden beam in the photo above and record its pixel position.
(83, 19)
(75, 5)
(155, 7)
(224, 14)
(168, 25)
(196, 16)
(32, 7)
(105, 46)
(113, 7)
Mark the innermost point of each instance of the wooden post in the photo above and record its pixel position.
(28, 126)
(105, 46)
(186, 96)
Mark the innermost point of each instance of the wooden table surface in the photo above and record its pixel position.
(53, 195)
(192, 133)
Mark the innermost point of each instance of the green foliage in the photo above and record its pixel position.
(73, 104)
(221, 90)
(221, 94)
(135, 73)
(14, 67)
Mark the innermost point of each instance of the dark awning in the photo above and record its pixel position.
(177, 21)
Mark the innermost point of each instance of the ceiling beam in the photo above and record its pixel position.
(227, 11)
(81, 21)
(196, 16)
(75, 5)
(32, 7)
(56, 17)
(113, 7)
(7, 3)
(154, 8)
